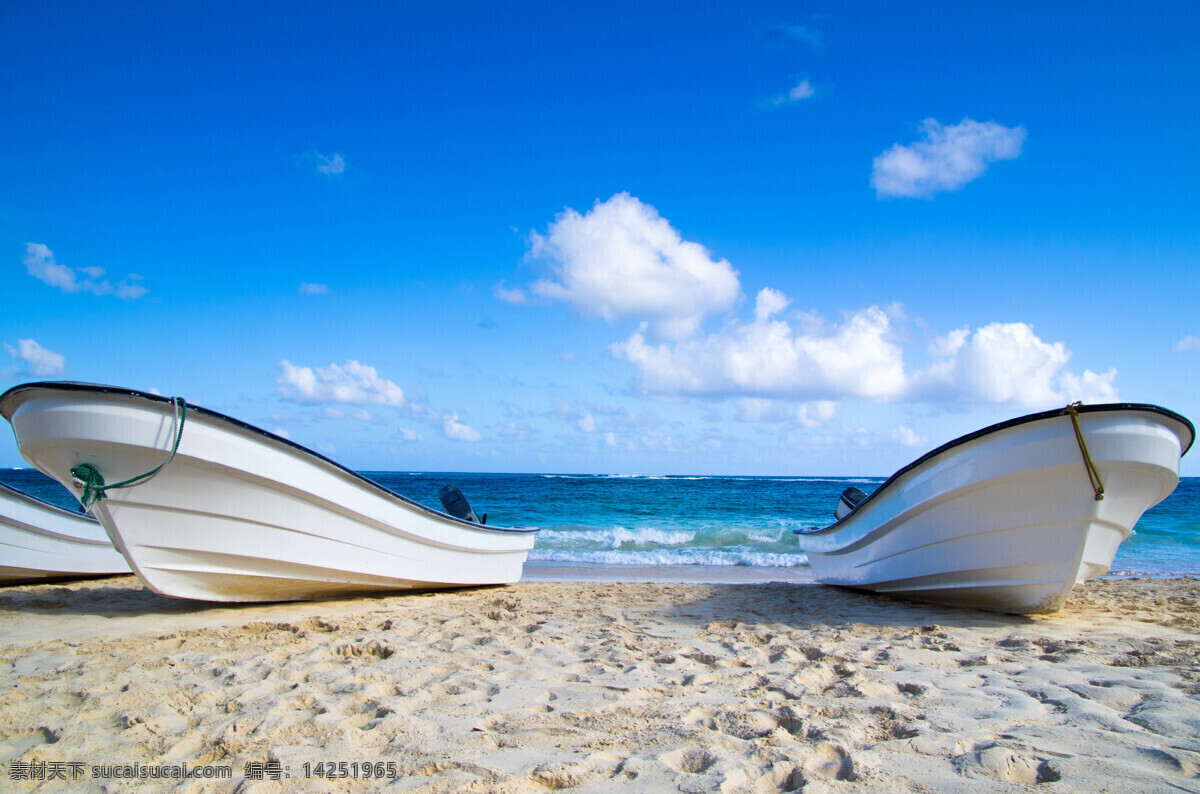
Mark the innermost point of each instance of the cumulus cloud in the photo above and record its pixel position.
(945, 159)
(41, 264)
(622, 259)
(307, 288)
(1007, 364)
(457, 431)
(770, 358)
(1189, 344)
(33, 359)
(352, 382)
(800, 358)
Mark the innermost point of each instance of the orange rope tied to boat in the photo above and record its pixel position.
(1093, 474)
(88, 477)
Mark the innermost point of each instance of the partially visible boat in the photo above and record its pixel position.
(1009, 518)
(41, 542)
(237, 513)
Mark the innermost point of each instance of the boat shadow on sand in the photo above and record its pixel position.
(127, 597)
(799, 606)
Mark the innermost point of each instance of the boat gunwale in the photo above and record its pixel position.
(996, 428)
(96, 388)
(37, 501)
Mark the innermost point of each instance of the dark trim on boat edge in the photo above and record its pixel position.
(37, 501)
(96, 388)
(1005, 425)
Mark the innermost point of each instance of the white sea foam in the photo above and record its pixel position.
(616, 537)
(687, 556)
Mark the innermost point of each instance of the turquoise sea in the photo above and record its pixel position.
(639, 520)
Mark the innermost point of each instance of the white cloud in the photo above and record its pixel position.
(801, 358)
(905, 436)
(353, 383)
(362, 415)
(407, 434)
(610, 440)
(515, 296)
(800, 92)
(1189, 344)
(40, 263)
(36, 360)
(313, 289)
(330, 165)
(1007, 364)
(587, 423)
(770, 358)
(946, 159)
(811, 414)
(457, 431)
(622, 259)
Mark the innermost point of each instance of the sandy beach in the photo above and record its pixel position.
(590, 686)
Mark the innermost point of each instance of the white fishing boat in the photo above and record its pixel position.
(41, 542)
(207, 507)
(1009, 518)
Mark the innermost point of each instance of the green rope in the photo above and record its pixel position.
(1093, 473)
(88, 477)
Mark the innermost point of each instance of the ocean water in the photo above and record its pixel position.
(714, 521)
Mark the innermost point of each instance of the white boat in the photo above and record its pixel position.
(41, 542)
(1009, 518)
(240, 514)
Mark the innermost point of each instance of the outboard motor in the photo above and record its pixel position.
(851, 498)
(455, 504)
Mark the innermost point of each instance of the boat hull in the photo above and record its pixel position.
(41, 542)
(243, 515)
(1007, 519)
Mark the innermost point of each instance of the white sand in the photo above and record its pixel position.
(598, 686)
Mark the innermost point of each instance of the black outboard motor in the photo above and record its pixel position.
(851, 498)
(455, 504)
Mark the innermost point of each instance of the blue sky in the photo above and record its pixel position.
(778, 239)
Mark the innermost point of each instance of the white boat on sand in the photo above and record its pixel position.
(239, 514)
(1009, 518)
(42, 542)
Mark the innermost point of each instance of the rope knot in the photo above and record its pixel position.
(87, 477)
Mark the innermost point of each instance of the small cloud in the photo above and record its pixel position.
(362, 415)
(307, 288)
(457, 431)
(330, 165)
(1189, 344)
(566, 358)
(610, 440)
(906, 437)
(946, 159)
(352, 382)
(409, 435)
(282, 433)
(587, 423)
(517, 297)
(800, 92)
(35, 360)
(804, 33)
(41, 264)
